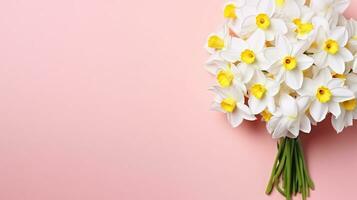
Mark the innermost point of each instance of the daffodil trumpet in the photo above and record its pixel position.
(289, 174)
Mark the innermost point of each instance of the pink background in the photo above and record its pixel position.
(107, 99)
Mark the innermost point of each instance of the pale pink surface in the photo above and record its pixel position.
(108, 99)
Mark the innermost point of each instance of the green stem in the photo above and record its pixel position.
(290, 168)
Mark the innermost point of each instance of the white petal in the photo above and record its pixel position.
(320, 59)
(349, 119)
(305, 125)
(338, 123)
(294, 79)
(318, 111)
(273, 87)
(247, 72)
(281, 128)
(288, 105)
(283, 45)
(334, 108)
(340, 35)
(335, 82)
(267, 7)
(272, 54)
(246, 112)
(304, 62)
(231, 55)
(257, 41)
(291, 9)
(323, 77)
(308, 87)
(341, 94)
(257, 106)
(249, 25)
(346, 54)
(336, 63)
(294, 129)
(235, 118)
(273, 122)
(278, 26)
(303, 103)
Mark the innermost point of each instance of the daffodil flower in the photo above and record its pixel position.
(262, 91)
(231, 102)
(348, 114)
(216, 42)
(248, 53)
(332, 51)
(326, 94)
(306, 26)
(288, 62)
(262, 19)
(290, 117)
(227, 74)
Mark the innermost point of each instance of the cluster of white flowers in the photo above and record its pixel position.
(290, 61)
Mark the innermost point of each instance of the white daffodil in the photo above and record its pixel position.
(306, 26)
(332, 51)
(288, 62)
(326, 93)
(216, 42)
(261, 93)
(348, 108)
(235, 12)
(262, 19)
(348, 114)
(351, 27)
(226, 73)
(249, 54)
(231, 102)
(290, 118)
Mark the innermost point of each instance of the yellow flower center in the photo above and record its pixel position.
(215, 42)
(323, 94)
(225, 78)
(266, 115)
(280, 3)
(263, 21)
(331, 46)
(258, 90)
(289, 63)
(303, 28)
(248, 56)
(230, 11)
(228, 104)
(349, 105)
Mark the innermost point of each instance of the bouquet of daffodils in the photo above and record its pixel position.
(292, 62)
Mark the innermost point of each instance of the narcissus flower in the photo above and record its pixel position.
(326, 94)
(288, 62)
(249, 54)
(262, 19)
(332, 52)
(262, 91)
(227, 74)
(290, 118)
(231, 102)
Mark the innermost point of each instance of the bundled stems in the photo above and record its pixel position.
(289, 174)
